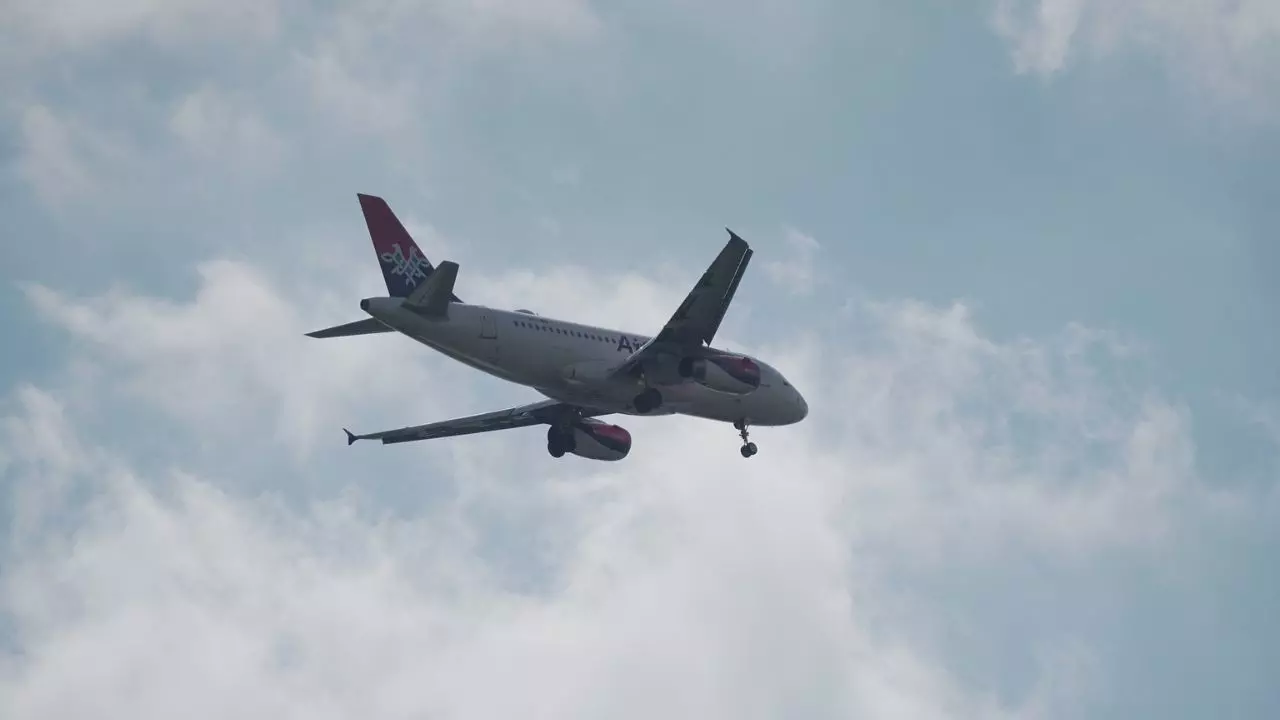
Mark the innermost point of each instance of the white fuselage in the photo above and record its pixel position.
(569, 361)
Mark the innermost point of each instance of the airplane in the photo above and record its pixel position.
(585, 372)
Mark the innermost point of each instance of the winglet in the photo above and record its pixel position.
(350, 438)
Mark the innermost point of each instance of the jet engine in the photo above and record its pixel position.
(590, 439)
(733, 374)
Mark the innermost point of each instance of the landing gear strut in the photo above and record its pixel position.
(748, 447)
(560, 441)
(647, 401)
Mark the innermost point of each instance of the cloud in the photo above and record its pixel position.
(232, 606)
(215, 126)
(272, 81)
(239, 344)
(39, 438)
(682, 581)
(43, 27)
(797, 274)
(553, 18)
(1229, 49)
(378, 66)
(958, 530)
(59, 158)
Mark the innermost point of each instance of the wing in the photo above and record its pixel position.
(698, 318)
(544, 412)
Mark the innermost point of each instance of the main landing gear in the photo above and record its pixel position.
(748, 447)
(647, 401)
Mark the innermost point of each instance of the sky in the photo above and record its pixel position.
(1019, 255)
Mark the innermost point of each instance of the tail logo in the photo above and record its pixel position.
(414, 268)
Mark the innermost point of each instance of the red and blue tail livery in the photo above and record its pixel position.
(404, 266)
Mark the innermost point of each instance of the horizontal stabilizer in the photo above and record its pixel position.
(368, 326)
(432, 297)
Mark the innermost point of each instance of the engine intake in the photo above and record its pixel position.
(733, 374)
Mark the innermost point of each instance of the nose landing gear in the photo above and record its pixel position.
(748, 447)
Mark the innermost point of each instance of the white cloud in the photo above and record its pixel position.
(361, 98)
(809, 581)
(228, 606)
(45, 25)
(1229, 48)
(1260, 414)
(681, 581)
(797, 274)
(357, 66)
(1040, 31)
(215, 126)
(385, 69)
(239, 344)
(38, 438)
(73, 160)
(552, 18)
(59, 158)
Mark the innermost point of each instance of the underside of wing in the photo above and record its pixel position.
(545, 412)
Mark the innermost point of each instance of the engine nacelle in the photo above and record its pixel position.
(733, 374)
(597, 440)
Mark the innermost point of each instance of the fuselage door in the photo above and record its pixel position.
(488, 328)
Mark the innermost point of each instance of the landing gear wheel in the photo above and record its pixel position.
(748, 447)
(647, 401)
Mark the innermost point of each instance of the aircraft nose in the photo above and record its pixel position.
(802, 407)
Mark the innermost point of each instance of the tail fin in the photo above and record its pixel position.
(404, 267)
